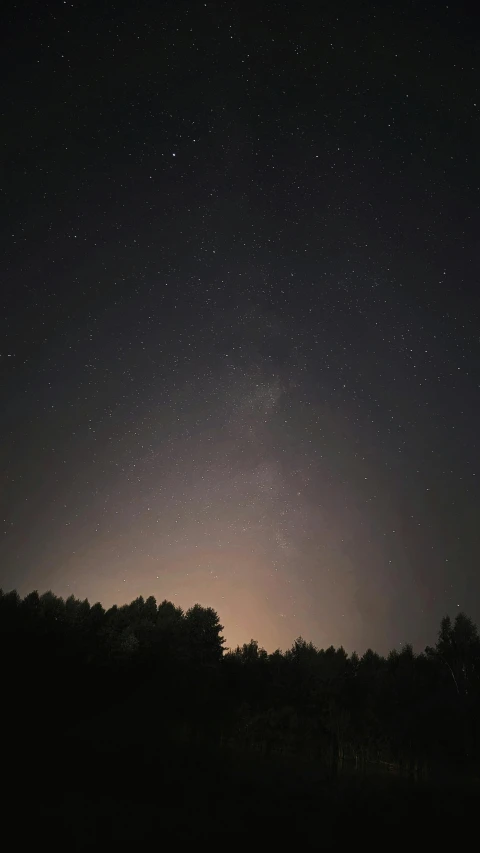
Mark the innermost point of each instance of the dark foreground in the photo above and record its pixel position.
(116, 725)
(76, 795)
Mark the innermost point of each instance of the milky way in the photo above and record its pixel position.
(240, 352)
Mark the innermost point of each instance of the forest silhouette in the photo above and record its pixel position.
(138, 701)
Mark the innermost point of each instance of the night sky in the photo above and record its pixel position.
(240, 346)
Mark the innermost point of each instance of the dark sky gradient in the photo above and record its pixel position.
(240, 351)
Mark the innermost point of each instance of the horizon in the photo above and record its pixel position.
(241, 643)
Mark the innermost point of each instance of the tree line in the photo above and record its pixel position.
(64, 661)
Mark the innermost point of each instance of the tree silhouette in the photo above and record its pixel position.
(408, 711)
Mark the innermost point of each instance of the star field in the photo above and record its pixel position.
(240, 349)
